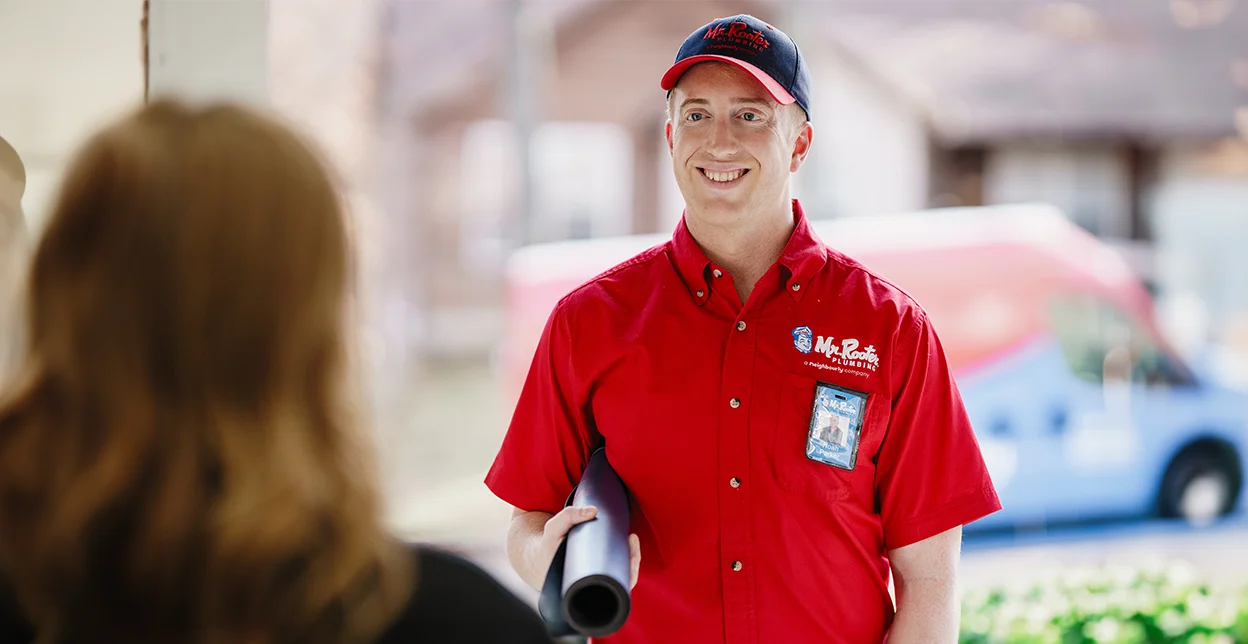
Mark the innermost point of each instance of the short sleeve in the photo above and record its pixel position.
(930, 474)
(550, 438)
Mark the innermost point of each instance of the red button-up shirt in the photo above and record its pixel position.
(705, 406)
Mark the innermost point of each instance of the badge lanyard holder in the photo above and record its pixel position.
(586, 592)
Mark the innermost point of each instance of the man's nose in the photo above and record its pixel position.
(723, 141)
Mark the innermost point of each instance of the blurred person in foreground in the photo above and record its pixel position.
(12, 253)
(180, 458)
(707, 367)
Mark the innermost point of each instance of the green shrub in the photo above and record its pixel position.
(1111, 606)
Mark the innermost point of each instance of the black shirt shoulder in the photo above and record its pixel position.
(14, 629)
(456, 602)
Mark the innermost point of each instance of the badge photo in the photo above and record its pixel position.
(835, 426)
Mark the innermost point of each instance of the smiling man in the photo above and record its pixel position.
(712, 368)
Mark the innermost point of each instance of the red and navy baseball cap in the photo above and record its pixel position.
(767, 53)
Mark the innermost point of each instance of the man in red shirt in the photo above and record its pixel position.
(784, 419)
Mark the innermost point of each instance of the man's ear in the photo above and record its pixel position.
(801, 147)
(667, 132)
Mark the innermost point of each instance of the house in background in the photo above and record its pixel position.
(1131, 116)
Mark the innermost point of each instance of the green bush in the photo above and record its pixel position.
(1111, 606)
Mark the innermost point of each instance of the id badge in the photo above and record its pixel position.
(835, 426)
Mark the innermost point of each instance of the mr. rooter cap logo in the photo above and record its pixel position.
(738, 33)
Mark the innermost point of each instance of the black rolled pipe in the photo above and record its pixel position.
(591, 573)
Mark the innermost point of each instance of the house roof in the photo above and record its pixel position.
(979, 69)
(449, 51)
(991, 69)
(606, 55)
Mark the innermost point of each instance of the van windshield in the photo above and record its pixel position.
(1101, 343)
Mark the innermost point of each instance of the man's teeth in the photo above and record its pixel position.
(723, 177)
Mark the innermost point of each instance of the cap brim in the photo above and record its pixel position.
(777, 92)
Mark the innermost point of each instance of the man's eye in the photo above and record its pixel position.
(695, 117)
(750, 116)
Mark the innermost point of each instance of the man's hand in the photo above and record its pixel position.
(634, 559)
(557, 527)
(534, 539)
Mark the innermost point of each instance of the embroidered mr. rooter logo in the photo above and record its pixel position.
(738, 33)
(849, 352)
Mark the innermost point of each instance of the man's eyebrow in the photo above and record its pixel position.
(742, 100)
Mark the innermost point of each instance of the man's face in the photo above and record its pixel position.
(733, 146)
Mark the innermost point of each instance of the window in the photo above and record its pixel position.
(1101, 343)
(581, 186)
(1091, 184)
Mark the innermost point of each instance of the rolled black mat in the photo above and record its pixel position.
(587, 586)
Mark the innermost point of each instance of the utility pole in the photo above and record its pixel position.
(526, 80)
(799, 19)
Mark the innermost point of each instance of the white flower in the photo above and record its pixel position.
(1103, 630)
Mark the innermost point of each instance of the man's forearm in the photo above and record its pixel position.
(928, 611)
(524, 547)
(925, 575)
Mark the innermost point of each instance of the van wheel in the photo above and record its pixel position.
(1200, 486)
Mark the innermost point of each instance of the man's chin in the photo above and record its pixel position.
(716, 209)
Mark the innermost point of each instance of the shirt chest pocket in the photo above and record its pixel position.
(816, 440)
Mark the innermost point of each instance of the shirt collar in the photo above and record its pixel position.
(801, 258)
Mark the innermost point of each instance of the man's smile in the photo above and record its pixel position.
(724, 177)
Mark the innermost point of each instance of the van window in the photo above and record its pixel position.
(1102, 343)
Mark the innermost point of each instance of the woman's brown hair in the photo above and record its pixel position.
(179, 459)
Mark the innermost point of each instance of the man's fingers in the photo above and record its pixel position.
(634, 558)
(559, 524)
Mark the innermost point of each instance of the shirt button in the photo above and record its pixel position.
(734, 403)
(741, 325)
(796, 286)
(700, 293)
(735, 482)
(736, 566)
(718, 273)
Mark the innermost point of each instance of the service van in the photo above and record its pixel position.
(1083, 410)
